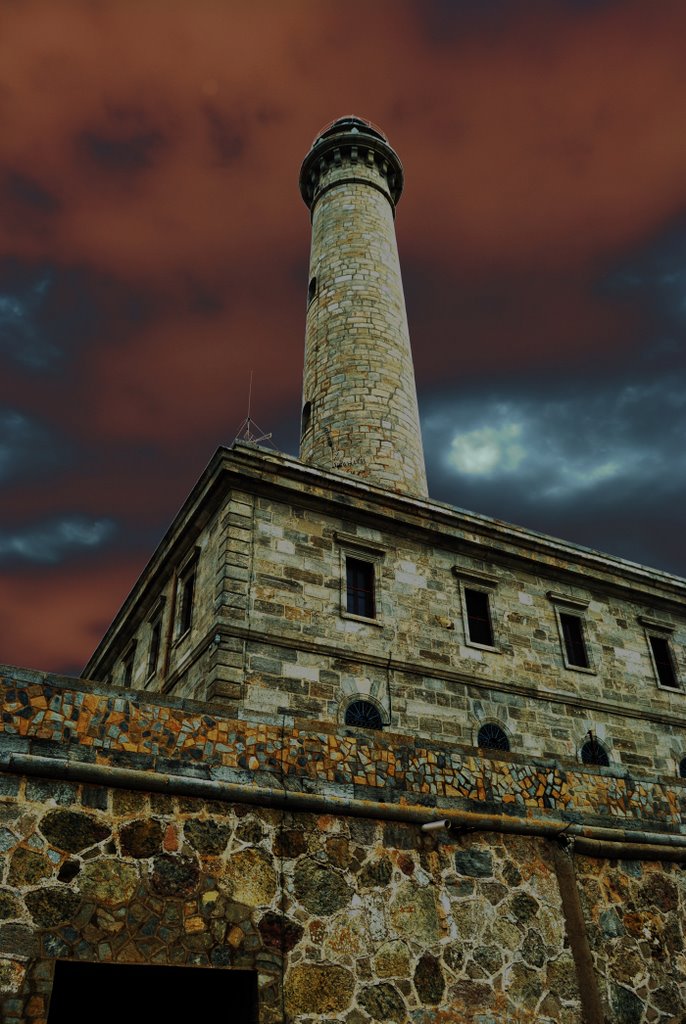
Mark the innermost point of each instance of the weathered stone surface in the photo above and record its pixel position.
(207, 836)
(318, 988)
(611, 924)
(561, 977)
(280, 932)
(523, 984)
(429, 980)
(392, 960)
(28, 867)
(627, 1008)
(51, 906)
(413, 913)
(659, 891)
(524, 907)
(11, 975)
(383, 1002)
(252, 877)
(174, 876)
(376, 872)
(478, 863)
(73, 831)
(109, 881)
(18, 940)
(290, 843)
(533, 949)
(319, 888)
(9, 905)
(141, 838)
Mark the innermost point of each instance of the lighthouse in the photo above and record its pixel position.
(359, 407)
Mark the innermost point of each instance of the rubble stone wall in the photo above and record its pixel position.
(343, 918)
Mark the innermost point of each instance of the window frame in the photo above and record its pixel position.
(658, 629)
(573, 607)
(481, 582)
(155, 621)
(187, 571)
(360, 550)
(128, 663)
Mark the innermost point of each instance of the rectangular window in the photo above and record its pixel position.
(662, 657)
(359, 581)
(155, 642)
(479, 623)
(127, 665)
(186, 594)
(573, 637)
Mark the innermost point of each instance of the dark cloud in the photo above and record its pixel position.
(28, 447)
(153, 252)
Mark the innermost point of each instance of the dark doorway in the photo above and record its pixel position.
(132, 994)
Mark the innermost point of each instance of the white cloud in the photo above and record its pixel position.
(50, 542)
(487, 450)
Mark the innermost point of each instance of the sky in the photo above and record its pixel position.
(154, 251)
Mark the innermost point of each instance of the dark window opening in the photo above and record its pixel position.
(83, 992)
(492, 737)
(363, 714)
(306, 417)
(154, 652)
(360, 588)
(478, 617)
(128, 668)
(593, 752)
(186, 602)
(682, 768)
(663, 661)
(573, 635)
(312, 289)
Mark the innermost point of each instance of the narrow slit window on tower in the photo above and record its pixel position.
(359, 582)
(573, 639)
(479, 625)
(311, 290)
(662, 659)
(306, 417)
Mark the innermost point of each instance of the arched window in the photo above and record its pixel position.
(593, 752)
(682, 768)
(363, 714)
(492, 737)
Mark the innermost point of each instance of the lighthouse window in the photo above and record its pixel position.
(359, 579)
(478, 617)
(573, 637)
(662, 659)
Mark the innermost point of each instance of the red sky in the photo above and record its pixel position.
(153, 250)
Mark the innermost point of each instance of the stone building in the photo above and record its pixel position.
(352, 754)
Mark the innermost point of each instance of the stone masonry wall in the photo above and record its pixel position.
(343, 919)
(358, 376)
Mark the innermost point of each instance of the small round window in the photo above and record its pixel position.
(492, 737)
(594, 752)
(363, 714)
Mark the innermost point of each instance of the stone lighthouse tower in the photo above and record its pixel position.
(359, 397)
